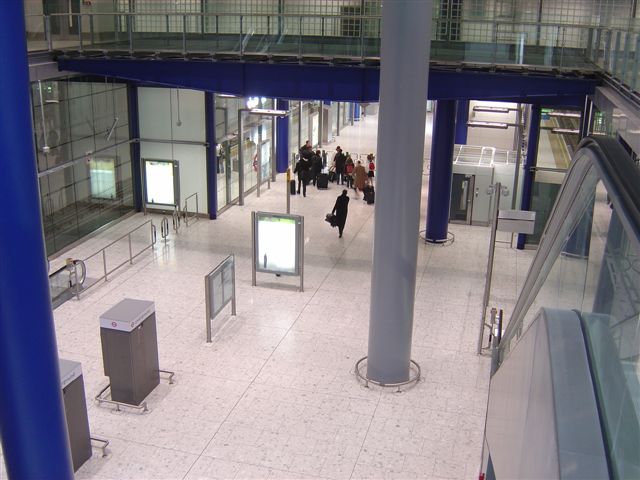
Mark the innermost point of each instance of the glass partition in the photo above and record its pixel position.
(81, 128)
(589, 261)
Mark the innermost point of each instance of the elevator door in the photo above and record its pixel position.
(462, 188)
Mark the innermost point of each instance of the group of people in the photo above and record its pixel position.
(355, 175)
(308, 167)
(342, 170)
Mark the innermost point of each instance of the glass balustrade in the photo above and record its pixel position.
(356, 37)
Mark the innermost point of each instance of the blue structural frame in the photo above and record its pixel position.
(529, 165)
(33, 428)
(335, 83)
(356, 112)
(441, 171)
(212, 158)
(134, 133)
(462, 117)
(282, 138)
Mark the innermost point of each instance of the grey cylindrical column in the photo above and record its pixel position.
(406, 27)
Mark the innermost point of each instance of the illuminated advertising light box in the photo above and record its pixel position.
(276, 243)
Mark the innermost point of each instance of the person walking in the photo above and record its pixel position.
(359, 176)
(302, 169)
(340, 161)
(340, 210)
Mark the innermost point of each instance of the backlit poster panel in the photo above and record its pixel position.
(276, 243)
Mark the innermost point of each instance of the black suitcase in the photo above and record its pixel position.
(369, 195)
(322, 182)
(292, 187)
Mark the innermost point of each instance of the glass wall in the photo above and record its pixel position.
(257, 146)
(559, 138)
(81, 128)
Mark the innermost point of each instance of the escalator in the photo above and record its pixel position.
(564, 398)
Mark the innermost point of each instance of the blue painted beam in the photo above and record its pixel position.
(33, 429)
(326, 82)
(212, 158)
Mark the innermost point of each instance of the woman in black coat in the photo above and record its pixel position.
(340, 211)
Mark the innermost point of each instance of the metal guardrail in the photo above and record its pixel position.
(354, 37)
(185, 212)
(103, 253)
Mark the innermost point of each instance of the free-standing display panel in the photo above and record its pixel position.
(278, 246)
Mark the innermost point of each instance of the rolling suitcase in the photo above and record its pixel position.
(369, 195)
(292, 187)
(322, 182)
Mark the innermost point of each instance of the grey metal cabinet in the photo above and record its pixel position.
(130, 350)
(75, 410)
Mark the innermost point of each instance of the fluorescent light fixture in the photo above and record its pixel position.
(113, 127)
(564, 130)
(269, 112)
(565, 114)
(476, 123)
(225, 95)
(252, 102)
(481, 108)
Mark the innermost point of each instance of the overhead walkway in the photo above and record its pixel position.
(335, 39)
(565, 396)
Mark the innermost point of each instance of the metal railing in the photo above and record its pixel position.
(461, 40)
(102, 254)
(185, 212)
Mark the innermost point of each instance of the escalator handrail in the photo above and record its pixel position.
(621, 178)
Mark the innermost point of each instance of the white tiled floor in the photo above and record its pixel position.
(275, 395)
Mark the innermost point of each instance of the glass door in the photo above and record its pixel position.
(462, 188)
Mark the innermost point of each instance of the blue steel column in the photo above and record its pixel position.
(32, 424)
(529, 164)
(212, 158)
(441, 171)
(462, 117)
(134, 134)
(282, 138)
(406, 26)
(356, 112)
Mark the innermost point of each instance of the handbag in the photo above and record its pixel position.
(330, 218)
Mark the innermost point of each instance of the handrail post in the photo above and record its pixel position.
(104, 263)
(241, 39)
(81, 43)
(300, 48)
(184, 35)
(91, 33)
(130, 28)
(47, 32)
(197, 209)
(77, 285)
(497, 192)
(361, 40)
(130, 251)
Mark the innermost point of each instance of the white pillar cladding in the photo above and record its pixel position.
(404, 69)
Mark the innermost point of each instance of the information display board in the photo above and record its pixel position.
(278, 244)
(220, 290)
